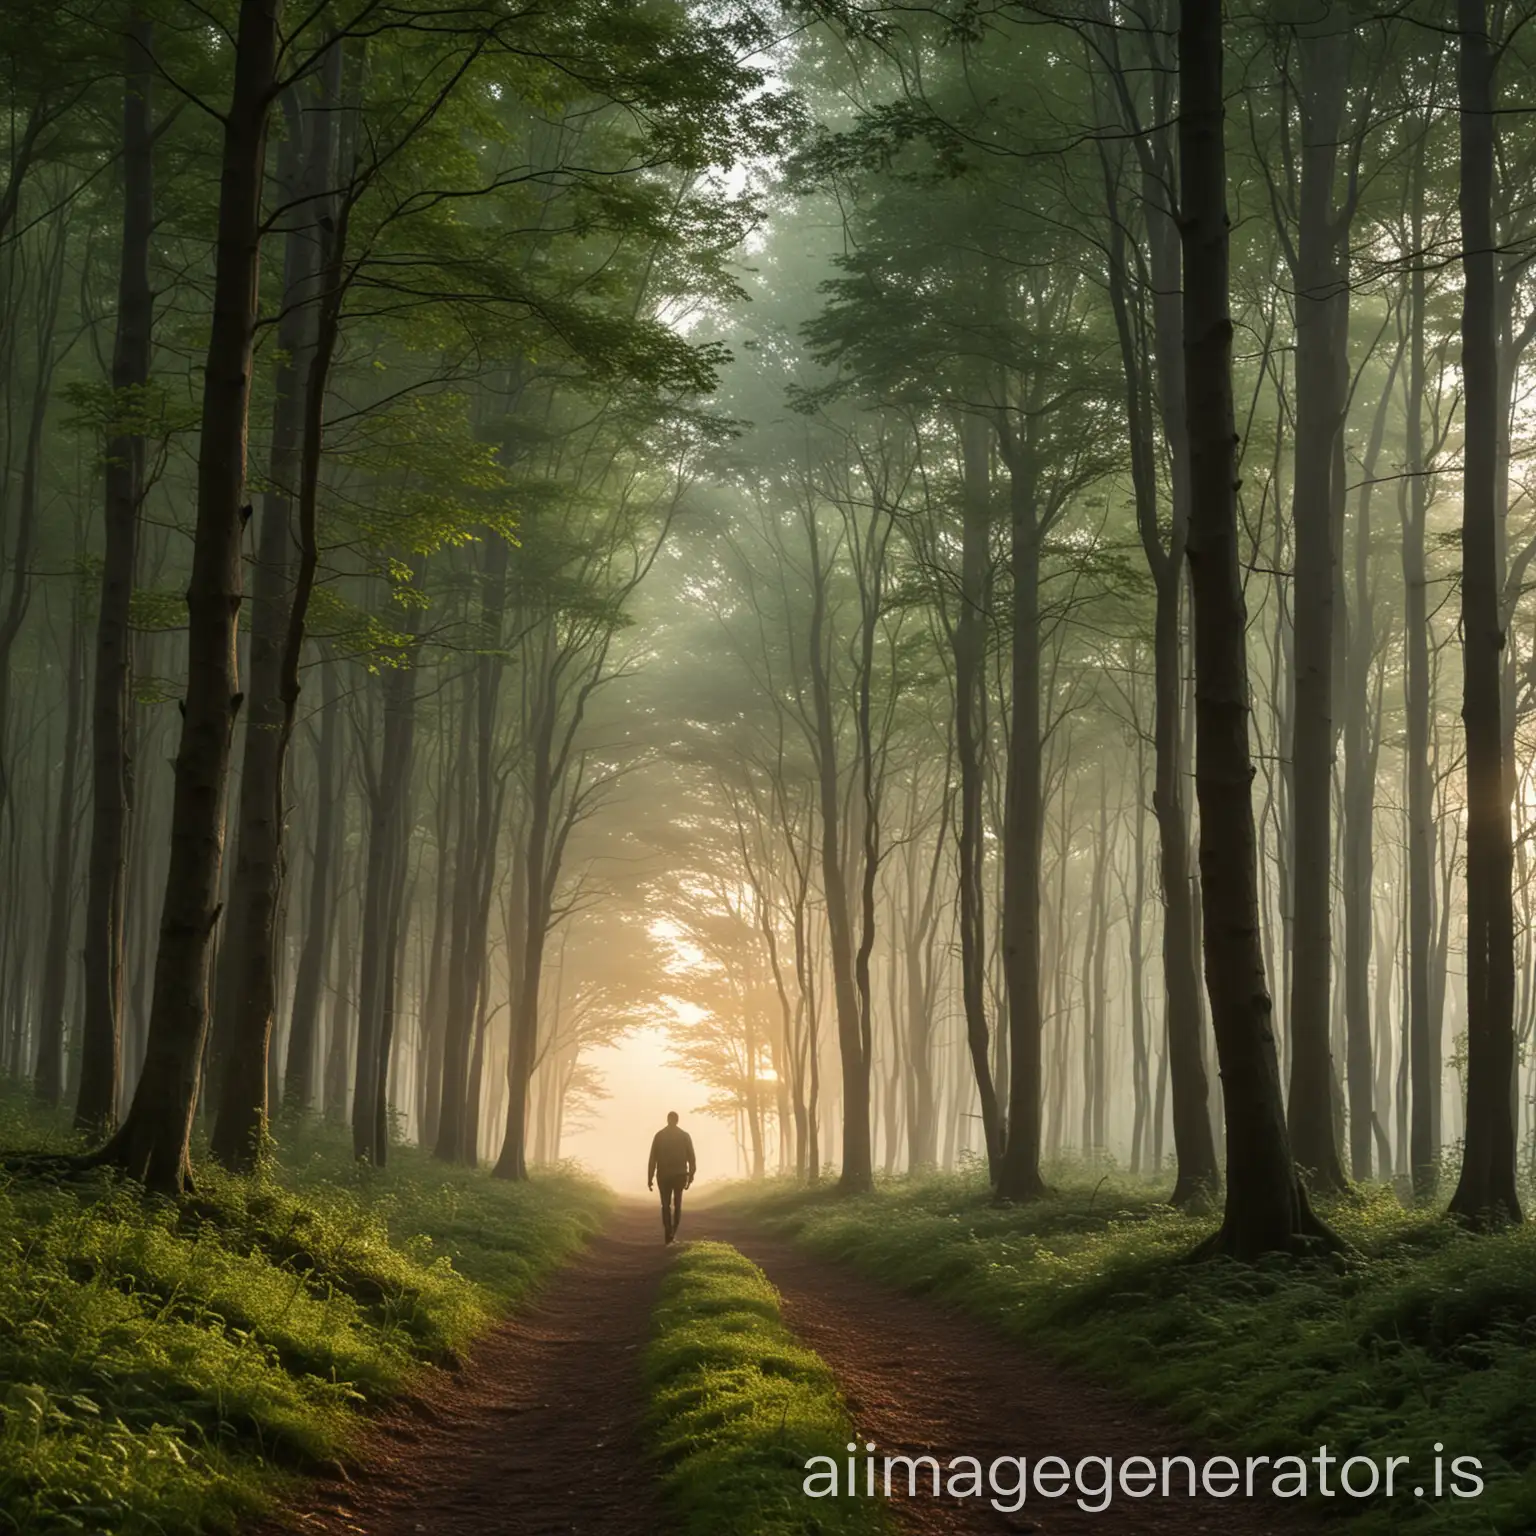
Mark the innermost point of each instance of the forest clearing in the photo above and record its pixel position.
(923, 610)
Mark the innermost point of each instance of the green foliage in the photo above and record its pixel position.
(737, 1407)
(153, 610)
(433, 481)
(356, 632)
(504, 1237)
(1425, 1335)
(169, 1366)
(149, 411)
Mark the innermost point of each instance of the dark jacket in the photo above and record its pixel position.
(671, 1154)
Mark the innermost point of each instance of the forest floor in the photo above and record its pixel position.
(539, 1432)
(1419, 1339)
(921, 1378)
(543, 1430)
(175, 1367)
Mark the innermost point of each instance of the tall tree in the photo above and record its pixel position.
(153, 1143)
(1323, 45)
(111, 770)
(1266, 1207)
(246, 992)
(1154, 380)
(1486, 1190)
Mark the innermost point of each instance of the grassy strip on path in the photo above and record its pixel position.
(738, 1407)
(170, 1367)
(1427, 1334)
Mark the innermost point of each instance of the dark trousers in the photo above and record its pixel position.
(671, 1185)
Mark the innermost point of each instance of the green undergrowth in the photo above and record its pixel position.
(1424, 1334)
(738, 1407)
(169, 1367)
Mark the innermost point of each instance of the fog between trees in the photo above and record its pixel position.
(805, 527)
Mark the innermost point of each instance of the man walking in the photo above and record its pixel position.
(672, 1162)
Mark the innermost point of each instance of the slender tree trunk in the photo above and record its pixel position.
(154, 1139)
(1362, 740)
(397, 921)
(1423, 1024)
(459, 1003)
(1197, 1177)
(389, 829)
(871, 590)
(523, 1042)
(472, 902)
(1320, 405)
(1486, 1192)
(434, 1004)
(1095, 1084)
(970, 652)
(1266, 1207)
(476, 1093)
(339, 1034)
(1019, 1172)
(857, 1175)
(304, 1017)
(922, 1128)
(111, 706)
(48, 1077)
(242, 1024)
(1141, 1085)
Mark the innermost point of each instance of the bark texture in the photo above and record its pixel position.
(1266, 1207)
(152, 1143)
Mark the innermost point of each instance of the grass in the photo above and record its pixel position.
(738, 1407)
(170, 1367)
(1426, 1334)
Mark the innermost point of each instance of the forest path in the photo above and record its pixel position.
(921, 1378)
(539, 1434)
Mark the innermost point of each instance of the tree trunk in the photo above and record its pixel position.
(870, 576)
(1362, 743)
(339, 1033)
(857, 1175)
(970, 652)
(397, 921)
(459, 1006)
(921, 933)
(1320, 406)
(1423, 1025)
(1486, 1192)
(458, 1129)
(1141, 1084)
(304, 1017)
(246, 980)
(48, 1077)
(523, 1040)
(154, 1139)
(112, 699)
(429, 1082)
(388, 833)
(1094, 999)
(1266, 1207)
(1194, 1148)
(1019, 1172)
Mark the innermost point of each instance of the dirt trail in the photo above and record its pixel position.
(921, 1378)
(539, 1434)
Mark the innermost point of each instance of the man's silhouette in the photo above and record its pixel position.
(673, 1163)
